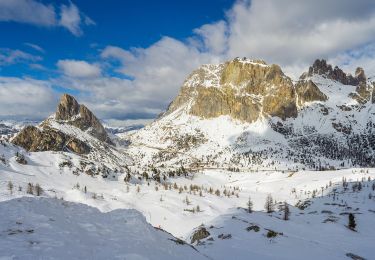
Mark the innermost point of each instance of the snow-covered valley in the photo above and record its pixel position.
(271, 169)
(179, 206)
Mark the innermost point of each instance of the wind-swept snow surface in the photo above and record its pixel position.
(44, 228)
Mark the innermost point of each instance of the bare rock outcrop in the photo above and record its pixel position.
(243, 89)
(80, 116)
(307, 91)
(321, 67)
(48, 138)
(35, 140)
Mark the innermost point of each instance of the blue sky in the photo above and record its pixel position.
(126, 60)
(121, 23)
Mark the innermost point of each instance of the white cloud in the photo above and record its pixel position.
(78, 69)
(157, 73)
(10, 56)
(37, 13)
(294, 32)
(27, 11)
(72, 19)
(35, 47)
(25, 98)
(214, 37)
(361, 57)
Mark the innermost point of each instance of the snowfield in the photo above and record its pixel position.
(46, 228)
(178, 206)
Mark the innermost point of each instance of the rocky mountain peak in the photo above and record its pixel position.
(321, 67)
(67, 108)
(80, 116)
(241, 88)
(49, 136)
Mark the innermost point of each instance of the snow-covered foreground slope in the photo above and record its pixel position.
(32, 228)
(318, 231)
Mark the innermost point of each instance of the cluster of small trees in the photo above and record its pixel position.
(30, 188)
(199, 190)
(269, 206)
(34, 189)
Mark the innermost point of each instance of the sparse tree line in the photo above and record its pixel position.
(32, 189)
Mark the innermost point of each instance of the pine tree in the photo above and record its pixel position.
(30, 188)
(187, 201)
(10, 187)
(286, 211)
(269, 205)
(38, 190)
(352, 223)
(249, 205)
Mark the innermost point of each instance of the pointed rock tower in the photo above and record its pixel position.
(51, 136)
(70, 112)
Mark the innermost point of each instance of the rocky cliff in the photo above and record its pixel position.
(247, 113)
(69, 111)
(50, 136)
(243, 89)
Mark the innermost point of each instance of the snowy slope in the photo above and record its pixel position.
(318, 231)
(54, 229)
(175, 209)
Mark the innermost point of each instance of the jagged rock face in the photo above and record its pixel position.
(48, 138)
(307, 91)
(35, 140)
(320, 67)
(242, 89)
(80, 116)
(67, 108)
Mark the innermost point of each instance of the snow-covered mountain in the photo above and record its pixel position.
(238, 131)
(10, 127)
(246, 114)
(74, 128)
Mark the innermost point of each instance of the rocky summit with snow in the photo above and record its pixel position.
(247, 114)
(244, 163)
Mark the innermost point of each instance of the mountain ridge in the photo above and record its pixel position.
(247, 114)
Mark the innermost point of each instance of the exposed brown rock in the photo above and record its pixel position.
(320, 67)
(307, 91)
(243, 91)
(360, 75)
(67, 108)
(33, 139)
(80, 116)
(199, 234)
(363, 93)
